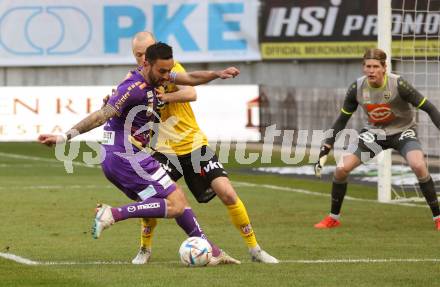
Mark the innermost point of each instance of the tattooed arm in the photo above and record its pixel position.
(90, 122)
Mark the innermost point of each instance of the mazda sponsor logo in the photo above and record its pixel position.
(148, 206)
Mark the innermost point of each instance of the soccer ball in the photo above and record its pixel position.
(195, 252)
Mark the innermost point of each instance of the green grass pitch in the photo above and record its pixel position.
(46, 215)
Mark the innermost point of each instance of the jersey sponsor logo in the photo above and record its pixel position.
(379, 113)
(122, 100)
(124, 97)
(410, 133)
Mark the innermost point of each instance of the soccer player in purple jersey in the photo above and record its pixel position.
(388, 101)
(172, 144)
(128, 117)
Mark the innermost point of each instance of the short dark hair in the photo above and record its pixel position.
(375, 54)
(158, 51)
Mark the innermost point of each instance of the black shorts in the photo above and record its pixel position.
(198, 168)
(371, 143)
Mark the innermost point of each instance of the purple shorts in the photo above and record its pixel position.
(139, 176)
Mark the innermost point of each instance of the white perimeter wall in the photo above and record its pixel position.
(26, 112)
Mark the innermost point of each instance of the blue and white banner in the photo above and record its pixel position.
(77, 32)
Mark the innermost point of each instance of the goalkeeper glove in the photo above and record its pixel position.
(323, 153)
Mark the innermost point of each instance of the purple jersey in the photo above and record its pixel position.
(134, 172)
(135, 102)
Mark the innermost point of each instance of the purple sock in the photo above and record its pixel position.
(188, 222)
(149, 208)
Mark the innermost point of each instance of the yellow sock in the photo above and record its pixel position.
(147, 229)
(240, 219)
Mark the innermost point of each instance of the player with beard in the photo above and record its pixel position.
(181, 143)
(128, 117)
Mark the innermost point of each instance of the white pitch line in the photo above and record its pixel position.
(42, 159)
(28, 165)
(18, 259)
(308, 192)
(366, 260)
(26, 261)
(46, 187)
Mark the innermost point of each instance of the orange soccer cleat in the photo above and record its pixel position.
(330, 222)
(437, 223)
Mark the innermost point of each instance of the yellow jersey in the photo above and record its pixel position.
(179, 132)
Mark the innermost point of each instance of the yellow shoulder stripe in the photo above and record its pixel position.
(422, 102)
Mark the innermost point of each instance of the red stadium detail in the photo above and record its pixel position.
(379, 113)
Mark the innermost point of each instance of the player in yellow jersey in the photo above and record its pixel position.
(179, 141)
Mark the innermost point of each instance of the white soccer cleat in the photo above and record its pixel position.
(103, 219)
(223, 258)
(259, 255)
(142, 257)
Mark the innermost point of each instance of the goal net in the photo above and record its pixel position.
(415, 55)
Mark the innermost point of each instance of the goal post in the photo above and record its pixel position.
(384, 39)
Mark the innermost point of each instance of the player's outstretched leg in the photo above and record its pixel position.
(147, 229)
(223, 258)
(188, 222)
(239, 217)
(149, 208)
(103, 219)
